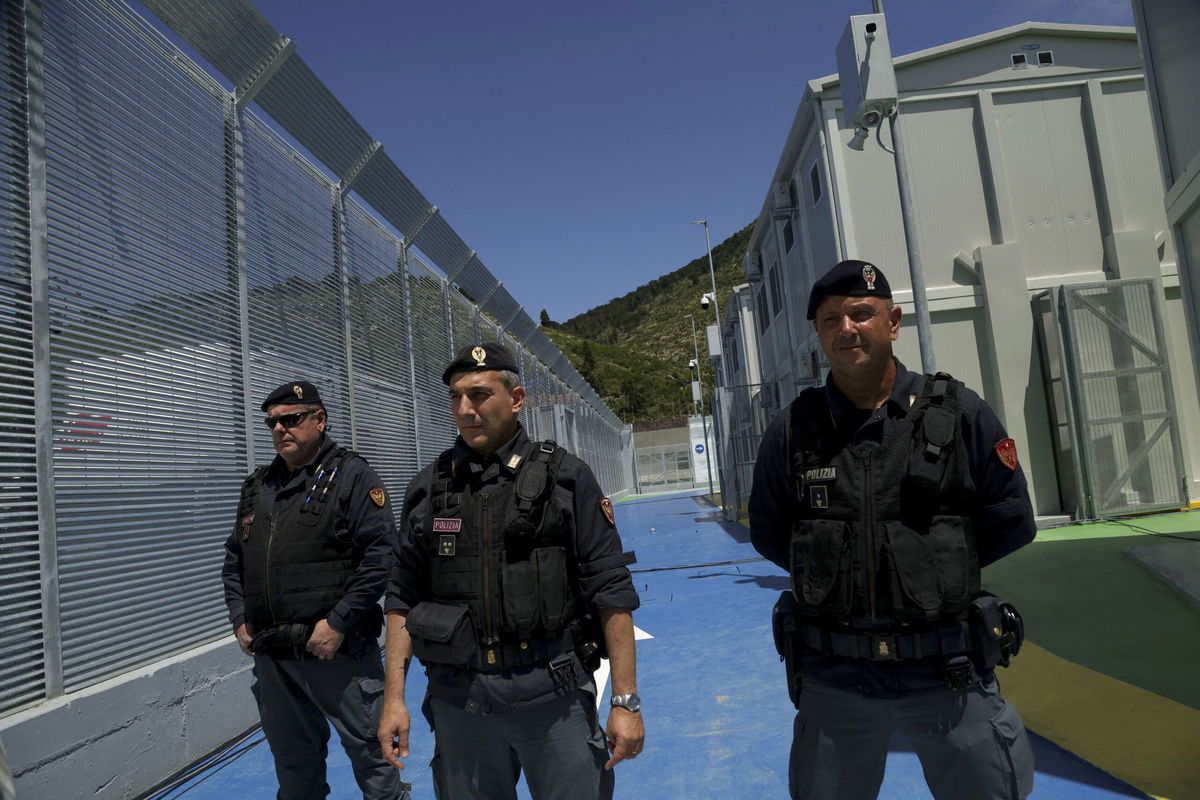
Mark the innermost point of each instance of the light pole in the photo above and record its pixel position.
(712, 274)
(699, 400)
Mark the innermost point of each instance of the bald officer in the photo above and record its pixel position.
(507, 549)
(883, 493)
(304, 570)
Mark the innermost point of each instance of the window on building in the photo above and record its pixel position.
(734, 361)
(814, 182)
(776, 294)
(1019, 61)
(764, 320)
(1045, 58)
(789, 236)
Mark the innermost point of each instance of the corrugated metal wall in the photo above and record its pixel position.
(192, 261)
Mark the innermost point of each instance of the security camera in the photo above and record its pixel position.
(705, 299)
(691, 363)
(860, 138)
(872, 118)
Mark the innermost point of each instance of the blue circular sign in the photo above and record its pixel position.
(699, 448)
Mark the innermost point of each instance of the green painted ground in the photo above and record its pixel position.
(1086, 600)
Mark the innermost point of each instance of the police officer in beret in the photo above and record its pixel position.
(508, 579)
(883, 493)
(304, 570)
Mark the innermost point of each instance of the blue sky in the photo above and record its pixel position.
(571, 144)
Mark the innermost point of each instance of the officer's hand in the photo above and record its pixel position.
(245, 635)
(626, 735)
(393, 732)
(324, 641)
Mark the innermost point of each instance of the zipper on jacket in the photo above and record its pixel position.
(488, 637)
(267, 567)
(869, 534)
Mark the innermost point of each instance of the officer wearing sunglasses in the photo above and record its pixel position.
(304, 570)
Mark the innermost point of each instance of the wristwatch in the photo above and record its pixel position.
(629, 702)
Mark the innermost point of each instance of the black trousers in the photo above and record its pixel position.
(971, 743)
(296, 697)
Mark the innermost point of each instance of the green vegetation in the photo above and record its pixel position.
(634, 350)
(634, 385)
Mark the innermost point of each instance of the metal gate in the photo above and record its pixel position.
(664, 468)
(1108, 371)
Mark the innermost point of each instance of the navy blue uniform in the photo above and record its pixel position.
(1003, 517)
(489, 726)
(296, 696)
(970, 740)
(592, 540)
(359, 519)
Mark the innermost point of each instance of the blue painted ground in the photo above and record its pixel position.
(717, 715)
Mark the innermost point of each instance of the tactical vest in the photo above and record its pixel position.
(294, 566)
(882, 534)
(502, 555)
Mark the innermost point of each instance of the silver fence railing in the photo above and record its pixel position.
(741, 418)
(167, 257)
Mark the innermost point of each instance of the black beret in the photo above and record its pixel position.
(294, 393)
(850, 278)
(481, 356)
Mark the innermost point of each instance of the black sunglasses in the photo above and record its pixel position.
(289, 420)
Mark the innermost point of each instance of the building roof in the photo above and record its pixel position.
(915, 73)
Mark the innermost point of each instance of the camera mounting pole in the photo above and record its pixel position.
(869, 95)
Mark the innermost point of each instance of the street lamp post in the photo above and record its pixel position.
(712, 274)
(699, 399)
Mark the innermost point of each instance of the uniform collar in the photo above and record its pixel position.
(279, 466)
(906, 386)
(464, 456)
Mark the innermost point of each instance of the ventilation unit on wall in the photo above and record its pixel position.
(752, 264)
(781, 201)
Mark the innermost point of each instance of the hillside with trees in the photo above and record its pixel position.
(634, 350)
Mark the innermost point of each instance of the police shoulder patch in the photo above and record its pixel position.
(378, 496)
(1006, 451)
(607, 509)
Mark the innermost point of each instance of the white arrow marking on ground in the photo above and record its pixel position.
(602, 671)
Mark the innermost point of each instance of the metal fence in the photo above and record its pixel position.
(741, 418)
(166, 258)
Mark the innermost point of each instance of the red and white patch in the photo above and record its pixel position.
(1006, 450)
(607, 509)
(447, 525)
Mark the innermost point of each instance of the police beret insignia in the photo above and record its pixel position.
(294, 392)
(486, 356)
(378, 496)
(849, 278)
(607, 509)
(1006, 451)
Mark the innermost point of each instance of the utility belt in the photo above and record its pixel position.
(444, 634)
(283, 641)
(951, 640)
(290, 640)
(990, 629)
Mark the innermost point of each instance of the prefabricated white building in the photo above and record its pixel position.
(1032, 161)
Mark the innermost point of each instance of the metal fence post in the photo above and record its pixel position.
(43, 408)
